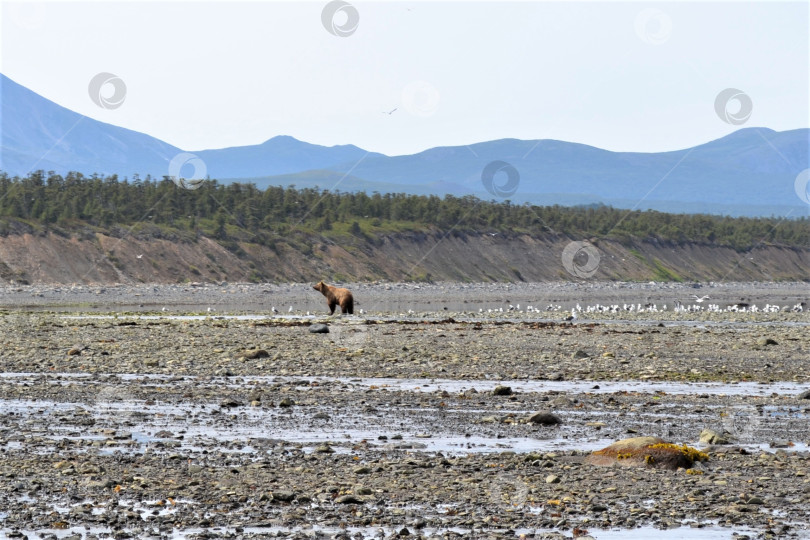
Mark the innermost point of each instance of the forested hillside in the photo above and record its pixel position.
(239, 232)
(244, 212)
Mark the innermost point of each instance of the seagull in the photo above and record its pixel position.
(573, 316)
(391, 111)
(139, 256)
(289, 310)
(210, 310)
(700, 299)
(273, 309)
(164, 308)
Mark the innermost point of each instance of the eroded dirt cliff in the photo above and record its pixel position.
(98, 258)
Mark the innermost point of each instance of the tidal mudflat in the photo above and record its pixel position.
(411, 421)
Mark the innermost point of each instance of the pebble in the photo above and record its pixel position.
(229, 403)
(319, 329)
(545, 419)
(349, 499)
(255, 353)
(709, 436)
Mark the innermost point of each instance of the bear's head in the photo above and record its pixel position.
(320, 286)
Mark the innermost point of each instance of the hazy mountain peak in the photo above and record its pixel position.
(750, 171)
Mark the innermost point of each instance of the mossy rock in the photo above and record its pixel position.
(647, 452)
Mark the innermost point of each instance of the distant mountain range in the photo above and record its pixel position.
(749, 172)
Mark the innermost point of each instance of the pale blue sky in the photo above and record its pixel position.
(215, 74)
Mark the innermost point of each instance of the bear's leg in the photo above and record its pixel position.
(332, 305)
(349, 306)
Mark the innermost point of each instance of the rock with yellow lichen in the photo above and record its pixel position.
(647, 452)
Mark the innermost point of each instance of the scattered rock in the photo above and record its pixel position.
(283, 496)
(781, 443)
(349, 499)
(552, 479)
(545, 419)
(580, 354)
(501, 390)
(804, 395)
(763, 341)
(286, 402)
(230, 403)
(255, 353)
(318, 329)
(709, 436)
(562, 401)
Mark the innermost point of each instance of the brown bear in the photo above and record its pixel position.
(336, 296)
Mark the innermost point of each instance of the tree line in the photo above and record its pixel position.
(48, 201)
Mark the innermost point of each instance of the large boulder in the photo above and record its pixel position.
(646, 452)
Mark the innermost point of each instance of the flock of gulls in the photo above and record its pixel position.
(678, 307)
(626, 308)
